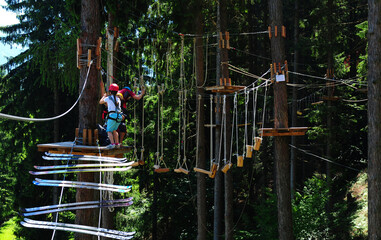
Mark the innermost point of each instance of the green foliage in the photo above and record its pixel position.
(309, 214)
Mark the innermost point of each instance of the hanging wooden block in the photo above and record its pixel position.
(257, 144)
(161, 170)
(249, 151)
(213, 170)
(226, 167)
(269, 30)
(239, 161)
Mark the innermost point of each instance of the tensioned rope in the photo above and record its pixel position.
(18, 118)
(62, 189)
(322, 158)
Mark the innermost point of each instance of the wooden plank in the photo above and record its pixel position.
(224, 89)
(202, 171)
(181, 170)
(162, 170)
(293, 131)
(330, 98)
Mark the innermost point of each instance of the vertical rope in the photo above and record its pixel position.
(62, 189)
(222, 132)
(255, 94)
(211, 130)
(198, 127)
(179, 135)
(264, 109)
(233, 126)
(246, 106)
(184, 127)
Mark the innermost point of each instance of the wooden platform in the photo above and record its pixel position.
(332, 98)
(67, 147)
(224, 89)
(293, 131)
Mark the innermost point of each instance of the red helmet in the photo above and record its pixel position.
(113, 87)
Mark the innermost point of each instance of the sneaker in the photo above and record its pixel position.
(117, 145)
(110, 146)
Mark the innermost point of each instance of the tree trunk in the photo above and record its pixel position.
(107, 216)
(329, 113)
(201, 160)
(282, 164)
(294, 117)
(90, 26)
(374, 119)
(218, 181)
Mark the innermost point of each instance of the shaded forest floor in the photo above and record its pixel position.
(359, 191)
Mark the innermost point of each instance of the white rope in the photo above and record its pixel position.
(222, 134)
(236, 120)
(246, 140)
(179, 135)
(255, 95)
(264, 110)
(233, 127)
(62, 189)
(17, 118)
(198, 127)
(211, 130)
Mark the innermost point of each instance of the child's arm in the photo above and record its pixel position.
(102, 101)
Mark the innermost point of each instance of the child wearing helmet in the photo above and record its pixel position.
(114, 116)
(125, 95)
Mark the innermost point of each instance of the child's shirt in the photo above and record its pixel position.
(110, 100)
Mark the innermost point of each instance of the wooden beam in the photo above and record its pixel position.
(293, 131)
(162, 170)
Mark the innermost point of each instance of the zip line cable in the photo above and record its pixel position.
(18, 118)
(324, 159)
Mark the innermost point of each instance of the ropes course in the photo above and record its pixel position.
(224, 160)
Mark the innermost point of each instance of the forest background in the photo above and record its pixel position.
(43, 81)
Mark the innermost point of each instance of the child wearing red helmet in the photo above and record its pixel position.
(115, 115)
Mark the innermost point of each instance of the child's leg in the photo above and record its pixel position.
(110, 136)
(116, 136)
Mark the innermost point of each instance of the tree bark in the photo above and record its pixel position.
(218, 181)
(329, 111)
(90, 27)
(294, 117)
(374, 119)
(107, 216)
(201, 160)
(282, 164)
